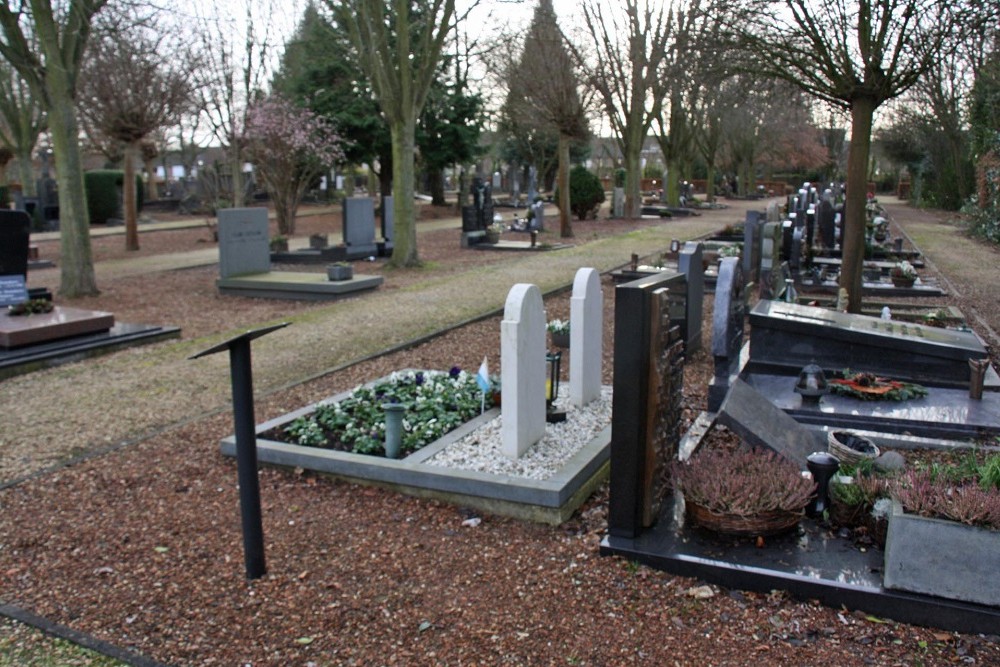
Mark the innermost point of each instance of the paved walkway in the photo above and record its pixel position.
(132, 393)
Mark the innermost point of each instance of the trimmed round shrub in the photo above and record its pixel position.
(103, 188)
(586, 191)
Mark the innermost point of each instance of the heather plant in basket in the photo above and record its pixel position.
(743, 482)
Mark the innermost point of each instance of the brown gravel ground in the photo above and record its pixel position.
(140, 547)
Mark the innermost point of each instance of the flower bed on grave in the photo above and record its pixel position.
(436, 403)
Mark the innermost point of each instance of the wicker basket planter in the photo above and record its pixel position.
(851, 449)
(763, 524)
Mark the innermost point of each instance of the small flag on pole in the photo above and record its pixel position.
(483, 376)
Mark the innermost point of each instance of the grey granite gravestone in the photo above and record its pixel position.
(15, 233)
(795, 252)
(770, 257)
(784, 337)
(773, 212)
(788, 228)
(760, 423)
(243, 242)
(689, 262)
(727, 329)
(825, 224)
(359, 227)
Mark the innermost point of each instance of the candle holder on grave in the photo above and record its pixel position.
(552, 415)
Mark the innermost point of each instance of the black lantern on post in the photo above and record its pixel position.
(552, 415)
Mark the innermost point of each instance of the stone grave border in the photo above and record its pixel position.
(550, 501)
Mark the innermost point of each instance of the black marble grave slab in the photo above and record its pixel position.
(810, 563)
(943, 413)
(784, 337)
(30, 358)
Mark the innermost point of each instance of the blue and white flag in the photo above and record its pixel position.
(483, 376)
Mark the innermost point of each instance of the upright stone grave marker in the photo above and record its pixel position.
(243, 242)
(359, 227)
(788, 228)
(689, 262)
(388, 229)
(648, 385)
(773, 212)
(770, 257)
(727, 330)
(751, 245)
(538, 219)
(586, 313)
(795, 252)
(15, 233)
(825, 224)
(522, 370)
(15, 237)
(618, 203)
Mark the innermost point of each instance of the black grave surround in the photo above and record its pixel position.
(785, 337)
(809, 563)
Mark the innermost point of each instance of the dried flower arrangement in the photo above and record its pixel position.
(870, 387)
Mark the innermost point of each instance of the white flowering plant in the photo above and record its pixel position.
(904, 269)
(436, 402)
(558, 326)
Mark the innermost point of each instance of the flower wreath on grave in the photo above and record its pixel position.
(870, 387)
(30, 307)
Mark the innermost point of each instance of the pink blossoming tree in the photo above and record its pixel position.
(290, 148)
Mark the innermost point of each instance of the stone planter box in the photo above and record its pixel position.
(339, 272)
(942, 558)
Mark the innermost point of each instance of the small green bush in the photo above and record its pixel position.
(585, 191)
(103, 200)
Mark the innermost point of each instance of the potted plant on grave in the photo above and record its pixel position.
(745, 492)
(946, 516)
(279, 243)
(493, 232)
(859, 498)
(339, 271)
(559, 331)
(903, 274)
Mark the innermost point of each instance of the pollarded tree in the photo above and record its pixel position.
(22, 120)
(291, 148)
(544, 85)
(398, 44)
(51, 71)
(630, 47)
(128, 92)
(855, 54)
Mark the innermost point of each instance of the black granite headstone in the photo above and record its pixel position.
(689, 262)
(784, 337)
(825, 223)
(15, 233)
(727, 329)
(648, 384)
(760, 423)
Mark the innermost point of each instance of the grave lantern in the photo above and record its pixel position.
(811, 384)
(552, 415)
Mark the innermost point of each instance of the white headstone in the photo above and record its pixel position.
(522, 370)
(586, 336)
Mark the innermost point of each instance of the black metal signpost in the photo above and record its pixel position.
(246, 444)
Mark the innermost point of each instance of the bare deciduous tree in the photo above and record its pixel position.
(51, 71)
(128, 92)
(630, 47)
(398, 44)
(22, 120)
(855, 54)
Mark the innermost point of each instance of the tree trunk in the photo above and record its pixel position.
(236, 176)
(862, 110)
(435, 182)
(128, 198)
(671, 184)
(710, 181)
(26, 173)
(77, 276)
(404, 252)
(565, 219)
(633, 179)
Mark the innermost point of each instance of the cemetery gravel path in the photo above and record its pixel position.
(78, 408)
